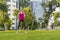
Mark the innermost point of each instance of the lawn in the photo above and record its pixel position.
(31, 35)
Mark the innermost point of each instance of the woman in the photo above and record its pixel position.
(21, 19)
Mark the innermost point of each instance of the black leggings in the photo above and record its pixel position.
(23, 24)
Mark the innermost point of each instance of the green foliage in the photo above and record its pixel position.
(46, 17)
(28, 15)
(3, 1)
(54, 2)
(4, 18)
(57, 23)
(58, 1)
(35, 25)
(56, 15)
(1, 18)
(3, 7)
(24, 3)
(16, 12)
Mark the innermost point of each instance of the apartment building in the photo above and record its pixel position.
(37, 9)
(12, 5)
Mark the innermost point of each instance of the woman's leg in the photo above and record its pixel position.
(23, 26)
(19, 25)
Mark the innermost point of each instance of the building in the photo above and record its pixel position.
(12, 4)
(37, 9)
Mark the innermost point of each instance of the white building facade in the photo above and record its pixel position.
(12, 5)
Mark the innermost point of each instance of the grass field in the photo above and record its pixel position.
(31, 35)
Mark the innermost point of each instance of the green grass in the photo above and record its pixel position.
(31, 35)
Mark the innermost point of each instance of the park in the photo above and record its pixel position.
(29, 19)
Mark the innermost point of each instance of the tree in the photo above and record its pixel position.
(57, 23)
(16, 15)
(1, 18)
(3, 1)
(24, 3)
(46, 18)
(28, 16)
(16, 12)
(4, 19)
(35, 25)
(48, 10)
(58, 1)
(55, 14)
(4, 15)
(40, 21)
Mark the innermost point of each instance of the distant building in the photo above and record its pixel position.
(37, 9)
(12, 4)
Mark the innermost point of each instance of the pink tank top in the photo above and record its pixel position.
(21, 16)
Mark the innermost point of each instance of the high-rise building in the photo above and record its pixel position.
(37, 9)
(12, 5)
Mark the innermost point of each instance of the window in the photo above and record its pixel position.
(14, 1)
(8, 9)
(8, 0)
(8, 5)
(13, 23)
(13, 19)
(14, 6)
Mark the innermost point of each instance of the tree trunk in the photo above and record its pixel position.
(5, 25)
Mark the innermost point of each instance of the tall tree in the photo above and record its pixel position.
(28, 15)
(48, 7)
(3, 12)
